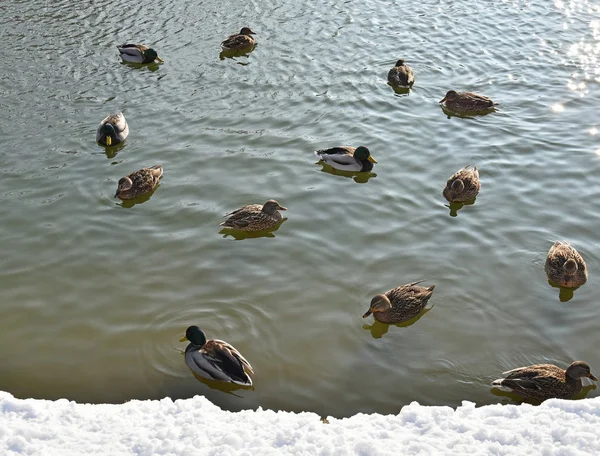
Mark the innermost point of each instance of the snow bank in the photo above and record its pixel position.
(198, 427)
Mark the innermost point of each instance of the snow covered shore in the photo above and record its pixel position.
(197, 427)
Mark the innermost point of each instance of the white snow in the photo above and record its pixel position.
(197, 427)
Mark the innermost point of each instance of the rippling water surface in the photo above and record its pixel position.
(96, 294)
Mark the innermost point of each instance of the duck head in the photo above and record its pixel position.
(272, 206)
(379, 303)
(195, 335)
(450, 95)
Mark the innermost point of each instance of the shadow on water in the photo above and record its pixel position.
(466, 115)
(152, 66)
(455, 207)
(224, 387)
(128, 204)
(516, 399)
(378, 329)
(564, 294)
(400, 90)
(241, 235)
(232, 54)
(358, 177)
(112, 151)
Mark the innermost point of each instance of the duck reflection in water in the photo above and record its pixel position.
(379, 329)
(241, 235)
(455, 207)
(564, 294)
(112, 151)
(358, 177)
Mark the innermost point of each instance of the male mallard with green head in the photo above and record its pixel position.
(255, 217)
(215, 360)
(112, 130)
(400, 304)
(544, 381)
(564, 266)
(239, 41)
(465, 102)
(463, 186)
(139, 182)
(346, 158)
(138, 53)
(401, 75)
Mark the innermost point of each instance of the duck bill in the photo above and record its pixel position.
(281, 208)
(183, 339)
(592, 377)
(159, 60)
(371, 159)
(442, 100)
(367, 313)
(108, 141)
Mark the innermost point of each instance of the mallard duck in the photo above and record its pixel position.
(467, 102)
(138, 53)
(346, 158)
(543, 381)
(401, 75)
(463, 186)
(400, 304)
(255, 217)
(214, 359)
(565, 266)
(242, 40)
(112, 130)
(139, 182)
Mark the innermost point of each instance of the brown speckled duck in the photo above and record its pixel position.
(565, 266)
(544, 381)
(139, 182)
(215, 359)
(239, 41)
(255, 217)
(401, 75)
(463, 186)
(400, 304)
(465, 102)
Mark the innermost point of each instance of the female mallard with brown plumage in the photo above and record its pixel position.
(400, 304)
(401, 75)
(139, 182)
(565, 266)
(138, 53)
(463, 186)
(215, 359)
(240, 41)
(465, 102)
(346, 158)
(544, 381)
(255, 217)
(112, 130)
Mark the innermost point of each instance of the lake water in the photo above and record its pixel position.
(96, 294)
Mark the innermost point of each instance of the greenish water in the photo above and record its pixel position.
(95, 295)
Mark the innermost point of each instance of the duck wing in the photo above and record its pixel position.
(133, 50)
(228, 363)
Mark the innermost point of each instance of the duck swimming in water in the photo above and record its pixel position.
(215, 359)
(544, 381)
(138, 53)
(112, 130)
